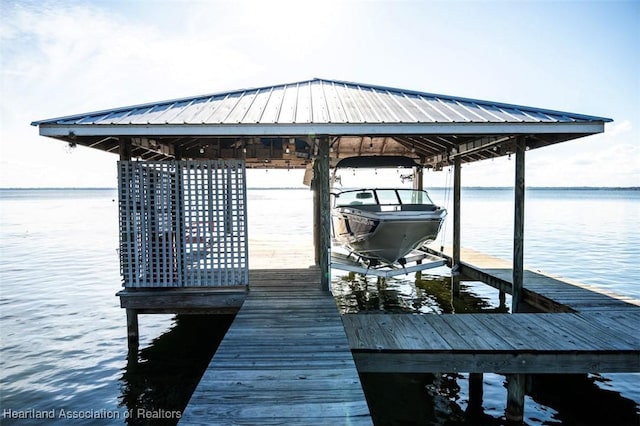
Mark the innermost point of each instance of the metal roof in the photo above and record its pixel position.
(357, 116)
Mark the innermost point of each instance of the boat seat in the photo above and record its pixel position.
(369, 207)
(417, 207)
(362, 206)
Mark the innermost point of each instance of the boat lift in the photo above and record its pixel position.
(419, 259)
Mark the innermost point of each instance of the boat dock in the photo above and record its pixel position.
(583, 329)
(286, 357)
(284, 360)
(184, 247)
(497, 343)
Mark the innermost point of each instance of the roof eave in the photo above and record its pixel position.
(305, 129)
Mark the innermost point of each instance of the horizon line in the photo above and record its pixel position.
(584, 187)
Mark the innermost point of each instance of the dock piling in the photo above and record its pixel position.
(476, 394)
(133, 337)
(455, 285)
(515, 398)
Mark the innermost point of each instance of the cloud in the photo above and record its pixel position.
(83, 56)
(61, 58)
(609, 165)
(613, 130)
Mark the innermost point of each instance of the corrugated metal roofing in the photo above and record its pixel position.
(258, 124)
(320, 101)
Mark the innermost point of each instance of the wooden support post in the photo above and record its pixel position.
(125, 149)
(133, 336)
(457, 169)
(418, 182)
(322, 210)
(418, 178)
(316, 217)
(132, 316)
(515, 398)
(455, 285)
(518, 227)
(476, 395)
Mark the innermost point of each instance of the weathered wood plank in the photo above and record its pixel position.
(447, 333)
(174, 299)
(278, 383)
(544, 362)
(216, 410)
(507, 343)
(474, 335)
(429, 337)
(621, 327)
(489, 334)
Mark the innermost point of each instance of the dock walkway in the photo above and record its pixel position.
(288, 358)
(544, 291)
(584, 330)
(497, 343)
(284, 360)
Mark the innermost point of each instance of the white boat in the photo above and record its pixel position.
(383, 225)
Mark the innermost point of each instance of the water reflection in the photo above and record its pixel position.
(413, 399)
(159, 379)
(578, 399)
(418, 293)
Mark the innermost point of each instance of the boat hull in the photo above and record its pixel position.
(386, 238)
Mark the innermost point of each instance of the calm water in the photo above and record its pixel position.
(63, 334)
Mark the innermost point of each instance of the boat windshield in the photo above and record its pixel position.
(383, 197)
(359, 197)
(410, 196)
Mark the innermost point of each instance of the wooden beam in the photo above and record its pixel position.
(316, 215)
(457, 169)
(325, 213)
(518, 226)
(172, 300)
(455, 285)
(418, 178)
(125, 149)
(500, 362)
(323, 181)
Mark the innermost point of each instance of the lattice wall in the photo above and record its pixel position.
(183, 223)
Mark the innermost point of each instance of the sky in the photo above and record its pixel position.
(64, 57)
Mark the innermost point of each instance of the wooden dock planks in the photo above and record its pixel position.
(487, 332)
(590, 330)
(540, 289)
(284, 360)
(500, 343)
